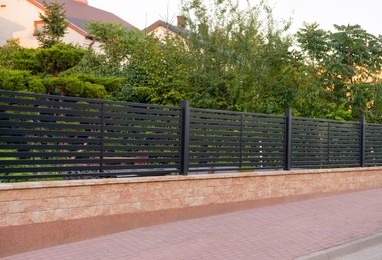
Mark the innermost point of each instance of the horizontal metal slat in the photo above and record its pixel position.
(144, 143)
(113, 116)
(50, 102)
(143, 110)
(48, 169)
(215, 122)
(203, 110)
(141, 166)
(140, 159)
(141, 123)
(150, 147)
(116, 128)
(46, 139)
(49, 125)
(52, 118)
(48, 147)
(251, 125)
(49, 162)
(49, 154)
(38, 110)
(28, 132)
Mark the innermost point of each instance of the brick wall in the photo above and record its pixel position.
(52, 212)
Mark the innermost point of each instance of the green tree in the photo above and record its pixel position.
(240, 55)
(347, 65)
(315, 42)
(154, 70)
(51, 61)
(157, 72)
(58, 58)
(7, 52)
(55, 25)
(114, 38)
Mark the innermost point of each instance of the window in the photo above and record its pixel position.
(38, 27)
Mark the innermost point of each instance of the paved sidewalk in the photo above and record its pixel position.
(366, 248)
(283, 231)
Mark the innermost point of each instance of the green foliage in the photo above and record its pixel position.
(64, 86)
(94, 90)
(53, 60)
(111, 84)
(58, 58)
(55, 25)
(237, 56)
(14, 80)
(114, 39)
(79, 85)
(47, 71)
(7, 52)
(314, 42)
(76, 85)
(15, 57)
(25, 59)
(96, 64)
(346, 64)
(36, 85)
(154, 70)
(18, 80)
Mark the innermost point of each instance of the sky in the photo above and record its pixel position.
(142, 13)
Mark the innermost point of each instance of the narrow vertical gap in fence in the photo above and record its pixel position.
(288, 140)
(101, 162)
(362, 141)
(185, 137)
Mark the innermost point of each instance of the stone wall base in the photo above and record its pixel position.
(43, 214)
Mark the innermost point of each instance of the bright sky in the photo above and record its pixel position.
(142, 13)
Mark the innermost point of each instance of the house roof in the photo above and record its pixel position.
(172, 28)
(79, 13)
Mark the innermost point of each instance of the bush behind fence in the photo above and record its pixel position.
(44, 136)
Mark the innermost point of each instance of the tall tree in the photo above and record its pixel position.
(114, 39)
(348, 63)
(239, 54)
(55, 24)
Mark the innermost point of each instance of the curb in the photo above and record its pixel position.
(345, 249)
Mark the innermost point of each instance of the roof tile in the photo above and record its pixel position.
(79, 14)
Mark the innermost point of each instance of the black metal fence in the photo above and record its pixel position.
(43, 136)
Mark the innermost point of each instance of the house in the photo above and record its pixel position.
(20, 19)
(162, 29)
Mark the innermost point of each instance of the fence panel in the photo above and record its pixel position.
(373, 146)
(141, 138)
(325, 143)
(223, 141)
(41, 134)
(51, 136)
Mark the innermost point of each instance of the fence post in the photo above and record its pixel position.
(185, 137)
(363, 141)
(288, 140)
(101, 162)
(241, 139)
